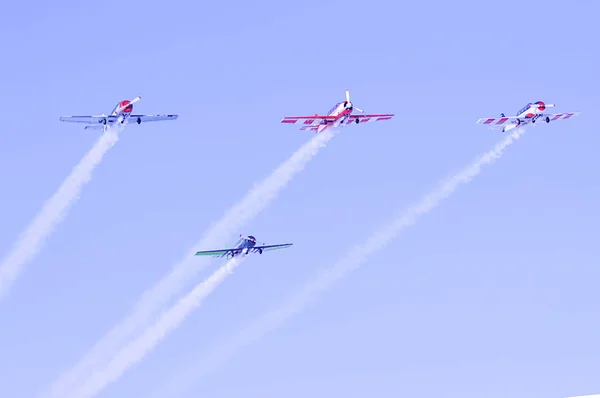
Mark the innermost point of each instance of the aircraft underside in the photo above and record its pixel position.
(122, 119)
(244, 251)
(519, 122)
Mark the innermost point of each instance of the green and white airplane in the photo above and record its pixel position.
(243, 246)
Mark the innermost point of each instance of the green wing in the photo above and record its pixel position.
(214, 253)
(273, 247)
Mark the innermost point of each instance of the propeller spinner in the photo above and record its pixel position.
(133, 101)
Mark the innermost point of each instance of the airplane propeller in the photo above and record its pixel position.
(349, 104)
(133, 101)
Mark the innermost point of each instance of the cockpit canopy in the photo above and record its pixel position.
(524, 108)
(250, 241)
(333, 109)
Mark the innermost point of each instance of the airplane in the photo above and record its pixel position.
(530, 113)
(341, 113)
(121, 113)
(243, 246)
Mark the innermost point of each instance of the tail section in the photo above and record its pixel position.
(321, 128)
(509, 127)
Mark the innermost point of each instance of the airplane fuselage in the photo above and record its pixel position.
(122, 111)
(245, 244)
(340, 111)
(530, 113)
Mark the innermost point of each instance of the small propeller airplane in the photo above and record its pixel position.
(243, 246)
(121, 113)
(341, 113)
(530, 113)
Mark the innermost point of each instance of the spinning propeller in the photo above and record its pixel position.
(543, 105)
(540, 106)
(349, 104)
(133, 101)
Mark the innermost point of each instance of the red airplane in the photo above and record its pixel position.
(340, 114)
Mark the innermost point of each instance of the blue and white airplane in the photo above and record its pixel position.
(530, 113)
(121, 113)
(243, 246)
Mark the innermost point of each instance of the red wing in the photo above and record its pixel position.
(496, 121)
(369, 118)
(313, 127)
(306, 119)
(562, 116)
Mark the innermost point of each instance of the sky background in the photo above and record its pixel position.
(494, 293)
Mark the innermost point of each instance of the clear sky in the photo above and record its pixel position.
(494, 292)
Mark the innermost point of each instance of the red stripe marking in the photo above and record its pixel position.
(288, 121)
(488, 121)
(502, 120)
(557, 116)
(365, 119)
(309, 121)
(568, 115)
(310, 117)
(383, 118)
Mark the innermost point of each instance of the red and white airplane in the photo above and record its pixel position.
(530, 113)
(340, 114)
(120, 114)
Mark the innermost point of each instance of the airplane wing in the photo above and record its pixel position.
(369, 118)
(150, 118)
(312, 127)
(88, 119)
(561, 116)
(307, 120)
(272, 247)
(496, 121)
(217, 253)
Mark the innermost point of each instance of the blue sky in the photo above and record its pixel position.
(493, 292)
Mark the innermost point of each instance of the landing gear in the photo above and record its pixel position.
(260, 251)
(356, 121)
(139, 120)
(547, 119)
(104, 122)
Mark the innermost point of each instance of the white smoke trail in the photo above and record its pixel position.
(54, 210)
(185, 378)
(156, 297)
(169, 321)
